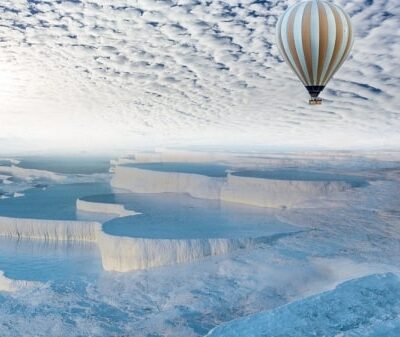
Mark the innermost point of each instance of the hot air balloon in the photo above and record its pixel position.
(314, 37)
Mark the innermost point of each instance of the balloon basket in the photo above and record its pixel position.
(315, 101)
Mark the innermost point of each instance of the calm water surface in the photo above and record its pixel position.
(55, 202)
(210, 170)
(300, 175)
(179, 216)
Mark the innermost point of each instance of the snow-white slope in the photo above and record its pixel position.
(368, 306)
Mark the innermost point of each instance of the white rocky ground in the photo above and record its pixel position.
(367, 306)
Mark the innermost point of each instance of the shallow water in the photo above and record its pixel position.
(5, 162)
(66, 164)
(55, 202)
(301, 175)
(210, 170)
(179, 216)
(37, 260)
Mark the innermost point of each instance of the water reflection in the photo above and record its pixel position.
(38, 260)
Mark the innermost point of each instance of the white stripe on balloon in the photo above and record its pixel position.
(314, 39)
(284, 37)
(331, 39)
(298, 39)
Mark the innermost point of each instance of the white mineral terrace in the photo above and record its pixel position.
(147, 181)
(121, 253)
(245, 190)
(41, 229)
(124, 253)
(118, 253)
(102, 207)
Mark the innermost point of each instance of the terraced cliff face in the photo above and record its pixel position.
(42, 229)
(276, 193)
(149, 181)
(120, 254)
(240, 189)
(124, 254)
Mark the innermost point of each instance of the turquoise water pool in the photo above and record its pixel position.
(5, 162)
(55, 202)
(67, 164)
(37, 260)
(302, 175)
(210, 170)
(178, 216)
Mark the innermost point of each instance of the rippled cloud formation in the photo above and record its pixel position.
(191, 71)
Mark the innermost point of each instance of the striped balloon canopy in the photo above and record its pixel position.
(314, 37)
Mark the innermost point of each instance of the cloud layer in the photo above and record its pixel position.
(137, 71)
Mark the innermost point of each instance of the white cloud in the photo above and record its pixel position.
(122, 72)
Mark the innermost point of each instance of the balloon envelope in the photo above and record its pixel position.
(314, 37)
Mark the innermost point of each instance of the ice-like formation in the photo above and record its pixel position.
(124, 254)
(42, 229)
(355, 308)
(10, 285)
(102, 207)
(245, 190)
